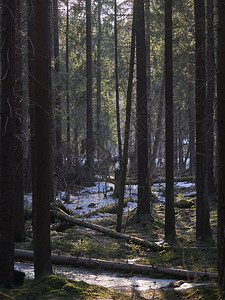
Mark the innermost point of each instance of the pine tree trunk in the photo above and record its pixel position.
(99, 77)
(144, 197)
(89, 78)
(210, 101)
(7, 159)
(170, 233)
(203, 230)
(117, 86)
(221, 144)
(58, 117)
(41, 148)
(19, 228)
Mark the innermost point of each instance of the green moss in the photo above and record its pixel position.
(57, 287)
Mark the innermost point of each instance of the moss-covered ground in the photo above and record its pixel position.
(187, 254)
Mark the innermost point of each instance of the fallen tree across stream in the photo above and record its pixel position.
(117, 266)
(57, 212)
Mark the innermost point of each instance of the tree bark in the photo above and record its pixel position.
(203, 230)
(221, 144)
(144, 197)
(210, 101)
(41, 149)
(7, 158)
(19, 228)
(117, 266)
(170, 234)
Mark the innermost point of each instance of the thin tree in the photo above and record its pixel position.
(89, 78)
(148, 78)
(143, 209)
(58, 118)
(210, 100)
(99, 76)
(170, 233)
(203, 230)
(117, 84)
(41, 149)
(123, 171)
(7, 161)
(67, 80)
(221, 145)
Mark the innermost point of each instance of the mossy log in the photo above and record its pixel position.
(117, 266)
(114, 234)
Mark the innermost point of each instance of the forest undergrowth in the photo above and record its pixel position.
(186, 254)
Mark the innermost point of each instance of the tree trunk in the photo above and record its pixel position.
(221, 144)
(144, 197)
(58, 117)
(158, 126)
(117, 86)
(210, 101)
(203, 230)
(19, 228)
(170, 233)
(89, 78)
(117, 266)
(148, 78)
(7, 159)
(99, 77)
(67, 83)
(41, 149)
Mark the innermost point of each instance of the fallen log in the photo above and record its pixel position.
(117, 266)
(112, 233)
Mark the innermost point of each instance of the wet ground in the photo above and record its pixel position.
(113, 280)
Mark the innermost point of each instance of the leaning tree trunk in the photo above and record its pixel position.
(7, 165)
(221, 144)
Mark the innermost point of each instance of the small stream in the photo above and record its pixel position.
(113, 280)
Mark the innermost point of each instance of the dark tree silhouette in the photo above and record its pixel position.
(7, 160)
(19, 224)
(42, 185)
(221, 142)
(203, 230)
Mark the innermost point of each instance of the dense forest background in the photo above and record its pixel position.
(111, 90)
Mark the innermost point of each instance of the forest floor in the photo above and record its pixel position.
(83, 242)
